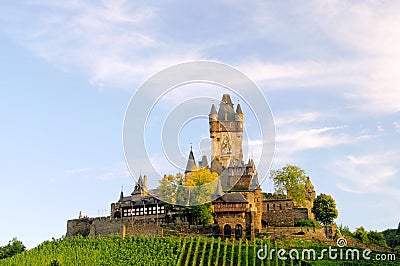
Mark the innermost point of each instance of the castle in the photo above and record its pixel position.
(241, 210)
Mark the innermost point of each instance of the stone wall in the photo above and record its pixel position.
(324, 234)
(94, 227)
(104, 226)
(278, 212)
(300, 214)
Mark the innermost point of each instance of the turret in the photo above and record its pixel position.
(239, 113)
(203, 163)
(218, 192)
(213, 116)
(254, 182)
(226, 112)
(191, 163)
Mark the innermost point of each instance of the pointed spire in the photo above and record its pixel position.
(121, 196)
(139, 186)
(219, 192)
(254, 182)
(140, 181)
(213, 110)
(204, 162)
(239, 109)
(191, 163)
(226, 112)
(226, 99)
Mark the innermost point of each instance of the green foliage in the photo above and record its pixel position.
(324, 209)
(54, 263)
(391, 237)
(361, 235)
(193, 189)
(13, 247)
(202, 214)
(143, 250)
(345, 230)
(377, 238)
(307, 223)
(397, 249)
(292, 181)
(218, 251)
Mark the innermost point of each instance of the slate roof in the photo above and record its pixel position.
(191, 163)
(234, 197)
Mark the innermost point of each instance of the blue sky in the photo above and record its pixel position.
(329, 70)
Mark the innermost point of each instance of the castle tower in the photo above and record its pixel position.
(226, 130)
(191, 163)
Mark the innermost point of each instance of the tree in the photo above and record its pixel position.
(13, 247)
(292, 181)
(168, 187)
(324, 209)
(361, 235)
(202, 214)
(377, 238)
(193, 189)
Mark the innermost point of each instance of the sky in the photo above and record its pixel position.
(329, 70)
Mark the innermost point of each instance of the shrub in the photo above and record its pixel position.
(306, 223)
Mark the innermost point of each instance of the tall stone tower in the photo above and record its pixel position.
(226, 131)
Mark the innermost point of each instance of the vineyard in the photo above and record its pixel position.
(182, 251)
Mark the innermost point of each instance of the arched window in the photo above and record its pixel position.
(238, 231)
(227, 231)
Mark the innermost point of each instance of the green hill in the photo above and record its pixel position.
(169, 251)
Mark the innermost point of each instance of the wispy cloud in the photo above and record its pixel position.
(396, 126)
(116, 171)
(367, 173)
(111, 41)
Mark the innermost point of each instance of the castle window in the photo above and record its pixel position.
(267, 207)
(280, 206)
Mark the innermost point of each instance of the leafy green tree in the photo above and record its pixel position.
(345, 230)
(324, 209)
(377, 238)
(292, 181)
(168, 187)
(202, 214)
(193, 189)
(391, 237)
(361, 235)
(13, 247)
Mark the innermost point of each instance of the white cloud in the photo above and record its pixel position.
(397, 126)
(110, 41)
(364, 36)
(117, 171)
(299, 117)
(380, 128)
(366, 173)
(295, 139)
(78, 171)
